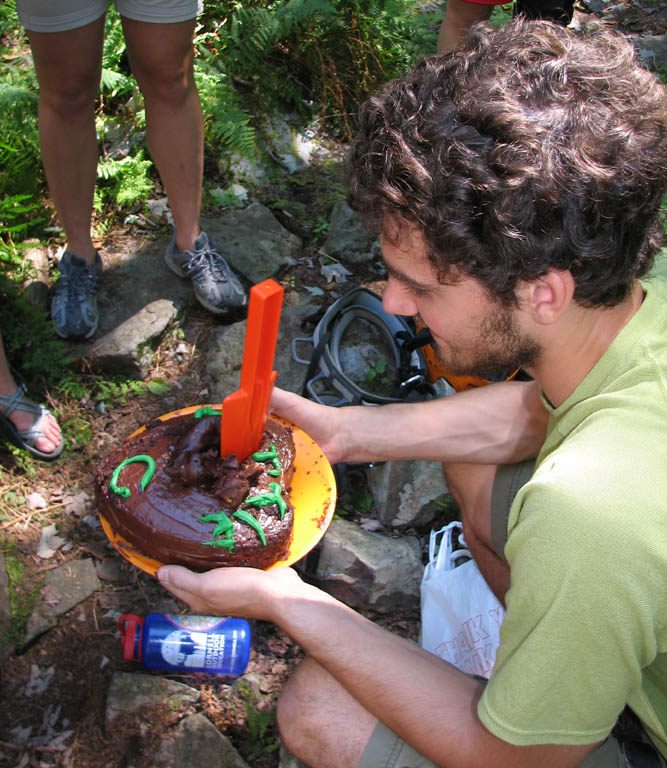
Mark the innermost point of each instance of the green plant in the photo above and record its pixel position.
(376, 376)
(26, 332)
(99, 389)
(22, 600)
(321, 229)
(502, 14)
(228, 125)
(225, 198)
(21, 177)
(262, 732)
(262, 736)
(130, 177)
(116, 80)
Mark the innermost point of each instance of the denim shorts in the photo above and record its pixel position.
(64, 15)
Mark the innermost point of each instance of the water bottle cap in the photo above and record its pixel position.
(130, 626)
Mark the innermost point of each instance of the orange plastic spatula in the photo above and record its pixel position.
(244, 412)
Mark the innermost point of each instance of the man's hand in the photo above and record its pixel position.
(242, 592)
(321, 422)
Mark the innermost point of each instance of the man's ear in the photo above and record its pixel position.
(549, 296)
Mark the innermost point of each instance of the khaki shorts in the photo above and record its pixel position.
(386, 750)
(64, 15)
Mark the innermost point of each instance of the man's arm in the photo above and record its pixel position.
(496, 424)
(432, 705)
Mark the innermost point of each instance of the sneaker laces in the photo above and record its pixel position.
(78, 284)
(206, 261)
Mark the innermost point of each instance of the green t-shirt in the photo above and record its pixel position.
(586, 626)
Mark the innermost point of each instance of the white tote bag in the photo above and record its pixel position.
(461, 617)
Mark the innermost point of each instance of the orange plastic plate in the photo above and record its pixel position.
(313, 496)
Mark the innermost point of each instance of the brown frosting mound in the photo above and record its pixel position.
(192, 481)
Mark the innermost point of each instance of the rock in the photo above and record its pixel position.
(289, 147)
(128, 349)
(595, 6)
(64, 587)
(158, 713)
(368, 570)
(131, 692)
(652, 50)
(243, 169)
(253, 241)
(348, 240)
(110, 569)
(36, 286)
(223, 369)
(413, 484)
(196, 743)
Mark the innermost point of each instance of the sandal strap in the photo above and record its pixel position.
(18, 402)
(35, 431)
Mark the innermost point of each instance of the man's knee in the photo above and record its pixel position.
(313, 711)
(297, 711)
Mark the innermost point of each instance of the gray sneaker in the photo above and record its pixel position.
(74, 307)
(216, 287)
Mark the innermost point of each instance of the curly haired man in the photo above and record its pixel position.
(515, 185)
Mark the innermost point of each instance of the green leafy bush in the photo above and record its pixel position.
(29, 342)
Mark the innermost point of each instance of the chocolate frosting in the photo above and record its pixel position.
(192, 480)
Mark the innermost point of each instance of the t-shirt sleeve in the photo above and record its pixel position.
(581, 612)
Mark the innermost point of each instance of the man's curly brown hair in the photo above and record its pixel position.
(531, 147)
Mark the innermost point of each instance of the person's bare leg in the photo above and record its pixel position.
(68, 66)
(161, 57)
(471, 486)
(458, 18)
(320, 722)
(23, 420)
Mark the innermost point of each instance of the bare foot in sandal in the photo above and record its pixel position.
(23, 422)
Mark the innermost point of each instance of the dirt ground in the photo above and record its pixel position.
(66, 719)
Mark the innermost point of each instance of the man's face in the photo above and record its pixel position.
(474, 334)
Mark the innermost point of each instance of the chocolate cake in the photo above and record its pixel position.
(199, 509)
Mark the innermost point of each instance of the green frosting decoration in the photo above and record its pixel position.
(206, 411)
(123, 490)
(246, 517)
(224, 527)
(226, 543)
(272, 456)
(274, 497)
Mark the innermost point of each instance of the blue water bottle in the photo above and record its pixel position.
(187, 643)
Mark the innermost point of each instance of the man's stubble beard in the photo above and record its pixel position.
(500, 349)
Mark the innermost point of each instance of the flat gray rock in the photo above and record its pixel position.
(128, 349)
(370, 570)
(223, 370)
(196, 743)
(130, 693)
(64, 587)
(253, 241)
